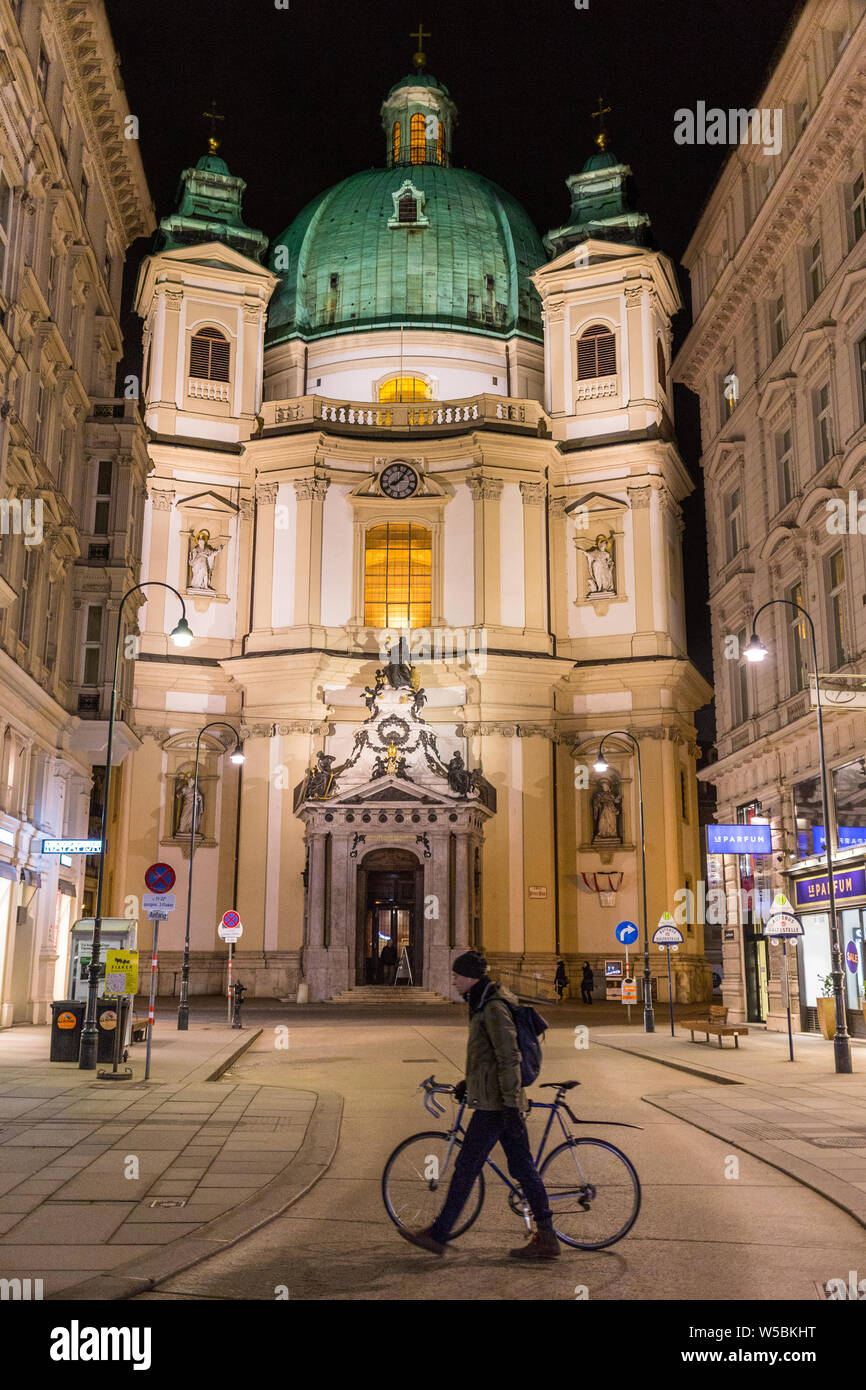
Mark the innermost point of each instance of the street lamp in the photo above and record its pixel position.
(237, 757)
(181, 637)
(601, 766)
(756, 651)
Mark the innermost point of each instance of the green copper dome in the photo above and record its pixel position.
(418, 79)
(456, 254)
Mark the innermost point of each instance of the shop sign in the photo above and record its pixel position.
(847, 883)
(739, 839)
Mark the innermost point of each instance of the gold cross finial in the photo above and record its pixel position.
(420, 58)
(599, 115)
(213, 116)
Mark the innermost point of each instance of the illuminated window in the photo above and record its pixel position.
(209, 356)
(660, 361)
(404, 388)
(396, 141)
(397, 562)
(440, 144)
(417, 141)
(596, 353)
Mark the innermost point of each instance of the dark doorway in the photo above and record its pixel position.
(755, 958)
(390, 915)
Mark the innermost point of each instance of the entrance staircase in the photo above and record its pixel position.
(388, 995)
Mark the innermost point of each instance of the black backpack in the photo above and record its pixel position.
(531, 1028)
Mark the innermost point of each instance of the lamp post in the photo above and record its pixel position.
(601, 766)
(237, 757)
(756, 651)
(181, 636)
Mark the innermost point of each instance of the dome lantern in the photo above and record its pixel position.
(418, 116)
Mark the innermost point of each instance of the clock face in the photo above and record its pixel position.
(398, 480)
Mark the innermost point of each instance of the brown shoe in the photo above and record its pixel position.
(544, 1245)
(424, 1239)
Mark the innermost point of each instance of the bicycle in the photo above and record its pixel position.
(593, 1189)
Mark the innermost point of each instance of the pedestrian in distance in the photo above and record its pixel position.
(388, 962)
(586, 984)
(493, 1090)
(560, 981)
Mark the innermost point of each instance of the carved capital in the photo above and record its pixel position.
(266, 494)
(256, 731)
(311, 489)
(246, 508)
(252, 313)
(162, 500)
(640, 497)
(533, 494)
(173, 300)
(633, 295)
(484, 489)
(556, 507)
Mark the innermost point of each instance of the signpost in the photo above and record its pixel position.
(783, 925)
(230, 929)
(668, 936)
(159, 902)
(121, 979)
(626, 934)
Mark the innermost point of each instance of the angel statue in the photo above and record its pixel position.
(599, 559)
(201, 561)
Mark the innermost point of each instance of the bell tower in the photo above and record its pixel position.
(203, 296)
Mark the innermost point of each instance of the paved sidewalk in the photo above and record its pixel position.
(800, 1117)
(108, 1186)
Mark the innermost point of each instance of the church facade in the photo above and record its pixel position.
(415, 477)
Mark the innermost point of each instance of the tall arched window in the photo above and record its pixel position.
(395, 142)
(440, 144)
(397, 575)
(404, 388)
(596, 353)
(417, 140)
(209, 355)
(660, 356)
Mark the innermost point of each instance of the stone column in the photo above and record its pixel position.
(253, 846)
(486, 494)
(266, 496)
(437, 952)
(558, 567)
(341, 949)
(308, 550)
(245, 561)
(461, 891)
(534, 575)
(162, 503)
(315, 955)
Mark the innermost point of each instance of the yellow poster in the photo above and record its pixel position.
(121, 972)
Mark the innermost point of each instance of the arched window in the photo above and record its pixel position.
(395, 142)
(660, 356)
(209, 355)
(440, 144)
(417, 140)
(407, 209)
(404, 388)
(397, 575)
(596, 353)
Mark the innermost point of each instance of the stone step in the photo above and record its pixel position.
(388, 994)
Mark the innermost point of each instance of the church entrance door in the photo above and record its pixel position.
(390, 919)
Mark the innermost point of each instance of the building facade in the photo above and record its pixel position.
(416, 480)
(73, 464)
(777, 355)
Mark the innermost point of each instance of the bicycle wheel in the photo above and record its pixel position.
(594, 1193)
(412, 1190)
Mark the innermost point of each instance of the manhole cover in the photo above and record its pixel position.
(839, 1141)
(169, 1202)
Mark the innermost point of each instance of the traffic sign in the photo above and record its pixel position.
(626, 933)
(158, 902)
(667, 933)
(231, 919)
(852, 957)
(783, 923)
(155, 916)
(159, 878)
(230, 933)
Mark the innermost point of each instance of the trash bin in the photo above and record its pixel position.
(67, 1020)
(106, 1024)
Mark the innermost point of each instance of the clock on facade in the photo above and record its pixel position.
(398, 480)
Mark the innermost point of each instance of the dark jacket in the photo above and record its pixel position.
(561, 978)
(388, 955)
(588, 976)
(492, 1053)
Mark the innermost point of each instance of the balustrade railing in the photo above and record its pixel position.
(411, 415)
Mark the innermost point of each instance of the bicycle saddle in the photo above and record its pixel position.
(560, 1085)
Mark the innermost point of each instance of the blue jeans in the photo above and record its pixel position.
(485, 1129)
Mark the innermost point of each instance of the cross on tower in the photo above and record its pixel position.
(420, 58)
(213, 116)
(599, 115)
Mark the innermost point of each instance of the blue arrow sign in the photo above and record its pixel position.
(626, 933)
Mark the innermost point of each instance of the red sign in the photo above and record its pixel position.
(231, 919)
(159, 878)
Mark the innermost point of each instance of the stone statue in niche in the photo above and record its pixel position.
(606, 808)
(602, 572)
(201, 562)
(185, 811)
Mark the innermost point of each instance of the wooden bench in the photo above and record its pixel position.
(139, 1027)
(716, 1024)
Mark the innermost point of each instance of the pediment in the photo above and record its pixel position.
(592, 502)
(216, 255)
(812, 343)
(590, 252)
(392, 790)
(210, 502)
(780, 389)
(852, 288)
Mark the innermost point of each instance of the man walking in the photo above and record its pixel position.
(492, 1088)
(587, 983)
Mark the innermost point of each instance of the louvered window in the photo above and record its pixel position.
(209, 356)
(596, 353)
(407, 209)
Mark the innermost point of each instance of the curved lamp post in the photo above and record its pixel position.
(181, 636)
(601, 766)
(756, 651)
(237, 757)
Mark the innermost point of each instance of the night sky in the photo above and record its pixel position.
(301, 90)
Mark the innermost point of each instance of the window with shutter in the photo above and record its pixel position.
(407, 209)
(209, 356)
(596, 353)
